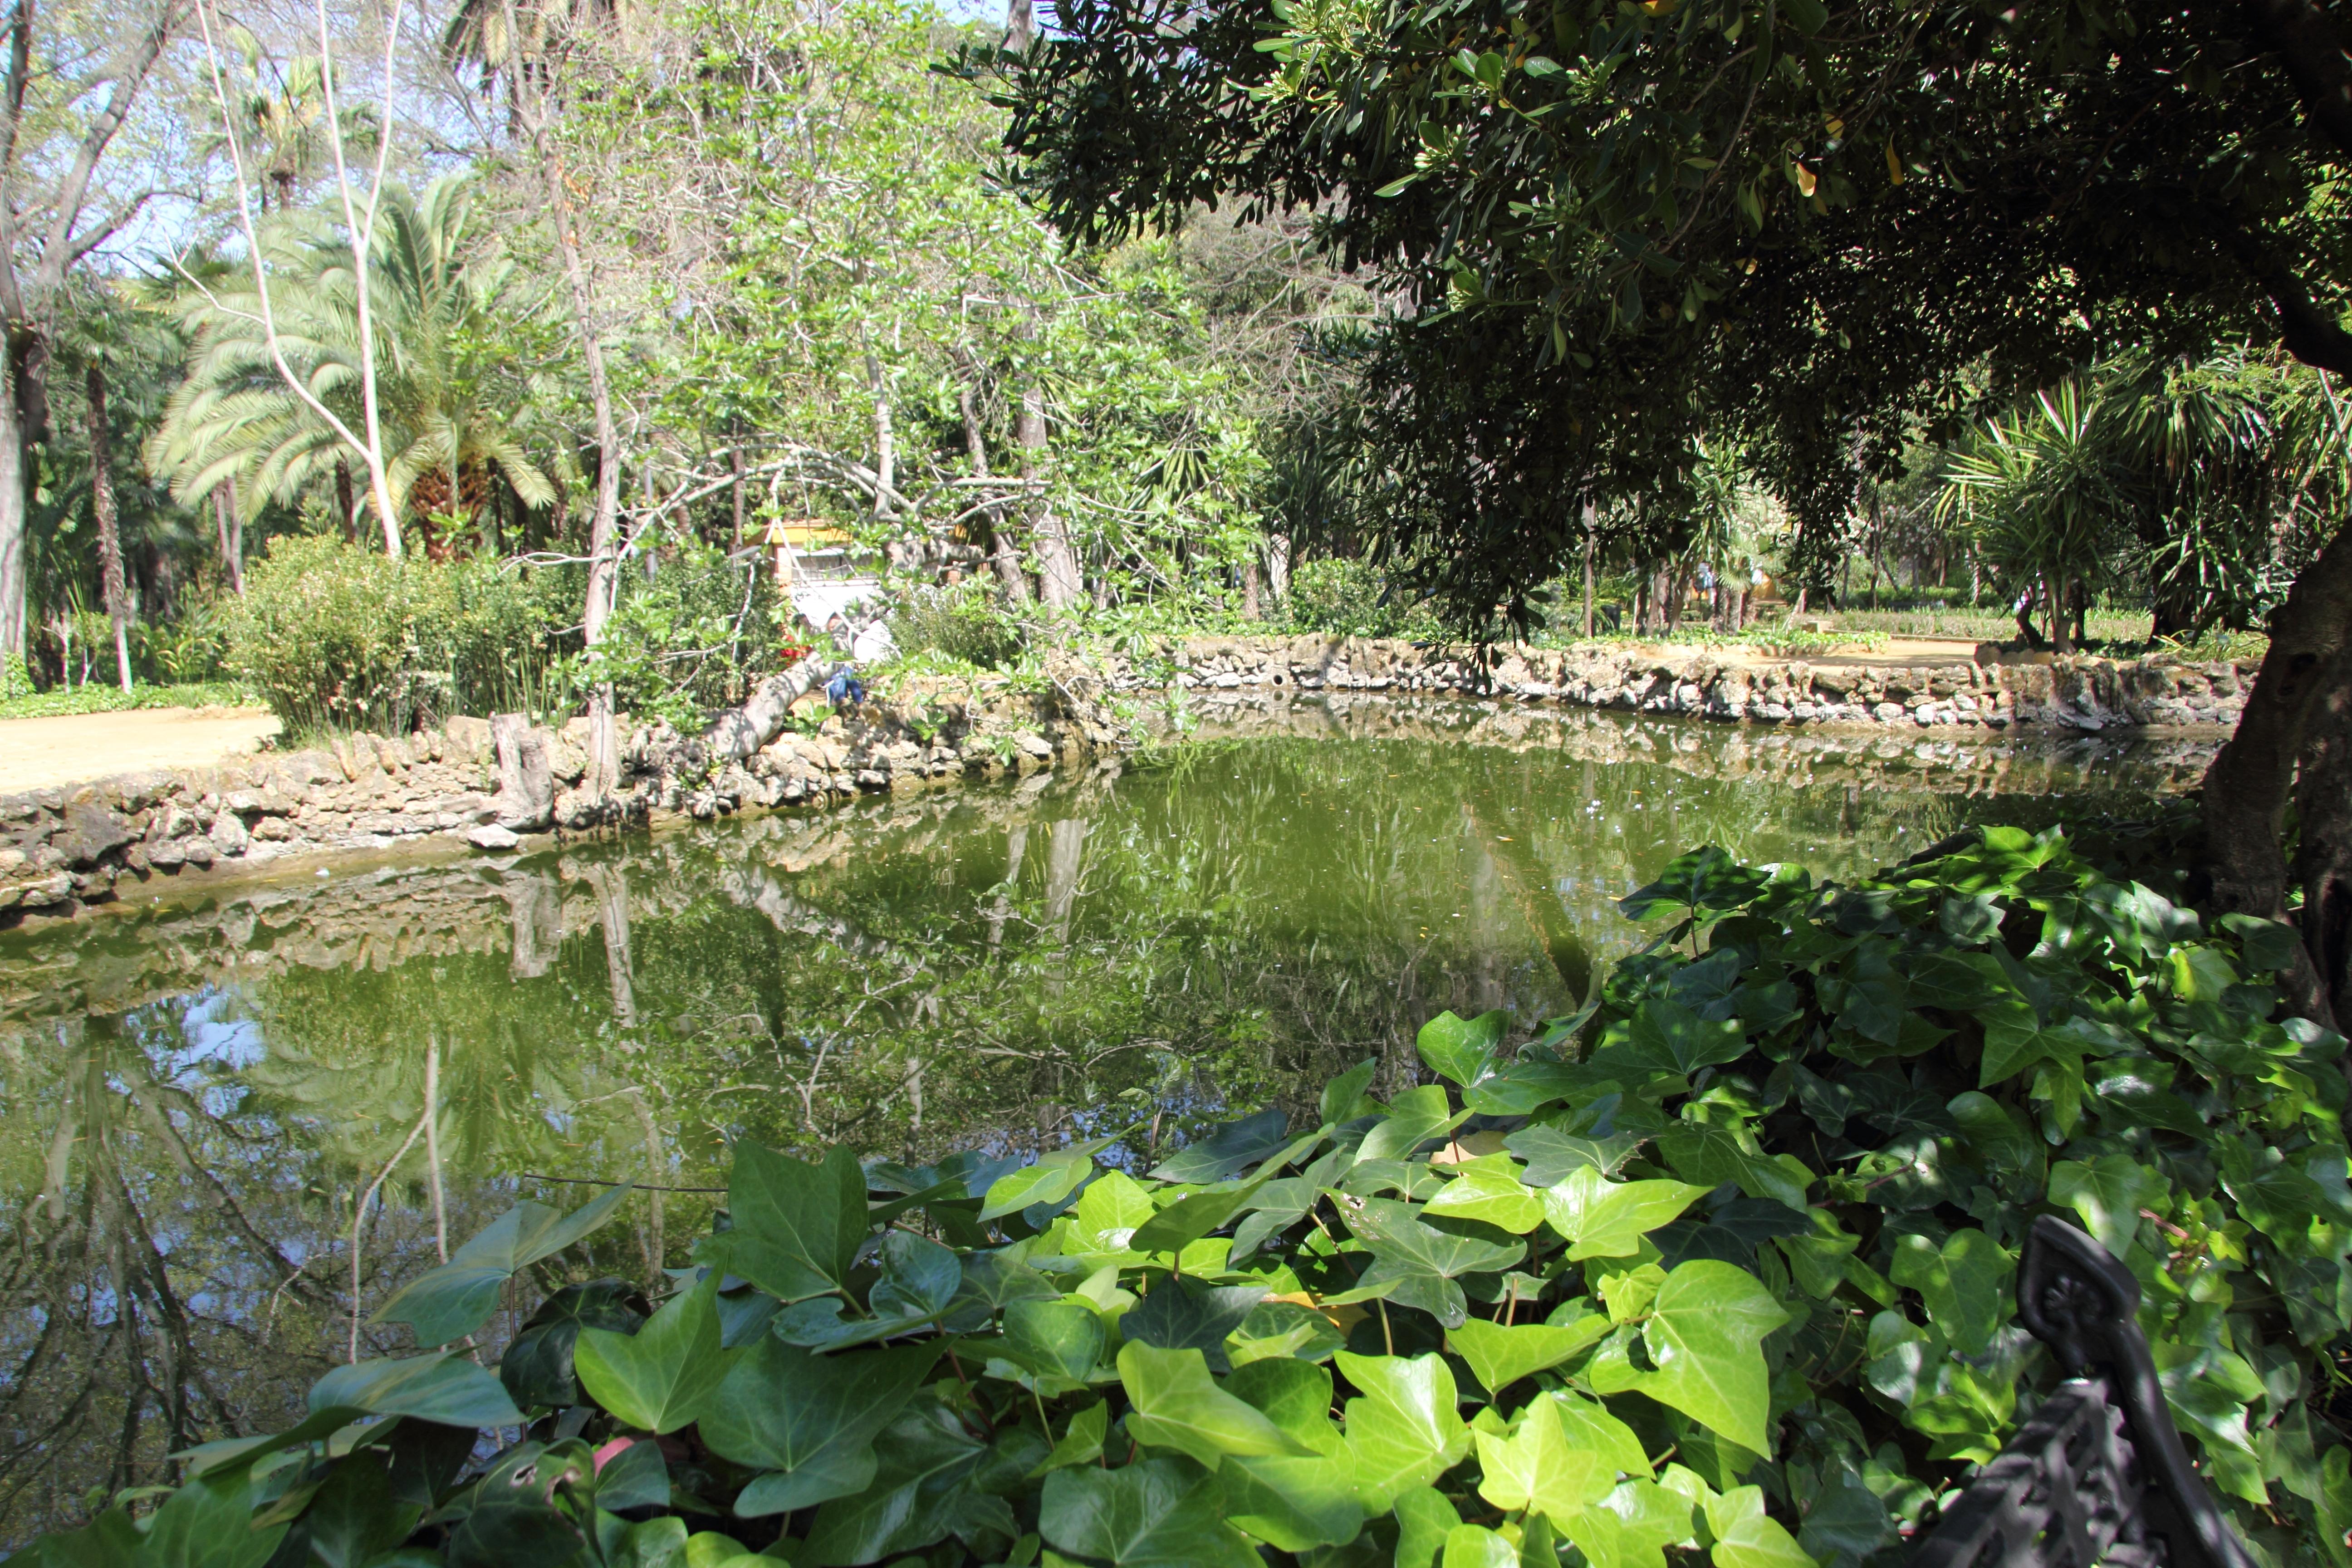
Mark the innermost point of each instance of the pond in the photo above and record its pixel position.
(203, 1088)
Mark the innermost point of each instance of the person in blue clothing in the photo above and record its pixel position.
(844, 689)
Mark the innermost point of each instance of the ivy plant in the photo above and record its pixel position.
(1719, 1270)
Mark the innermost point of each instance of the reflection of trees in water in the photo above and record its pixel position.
(994, 968)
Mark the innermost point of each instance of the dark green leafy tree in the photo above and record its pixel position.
(1611, 230)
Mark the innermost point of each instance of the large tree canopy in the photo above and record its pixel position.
(1611, 226)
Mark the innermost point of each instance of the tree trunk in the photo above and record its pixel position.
(1277, 566)
(604, 752)
(2062, 637)
(14, 566)
(228, 517)
(344, 502)
(1251, 610)
(735, 471)
(101, 506)
(2324, 850)
(1057, 565)
(2246, 787)
(1001, 555)
(1591, 547)
(886, 443)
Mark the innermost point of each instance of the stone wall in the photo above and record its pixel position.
(2079, 694)
(462, 785)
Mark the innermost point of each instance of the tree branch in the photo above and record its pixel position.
(2309, 333)
(2311, 52)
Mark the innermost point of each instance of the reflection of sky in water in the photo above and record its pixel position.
(1217, 928)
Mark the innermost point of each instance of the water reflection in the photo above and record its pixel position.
(209, 1102)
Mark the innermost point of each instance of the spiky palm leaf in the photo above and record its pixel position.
(435, 294)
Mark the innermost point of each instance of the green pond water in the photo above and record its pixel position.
(200, 1088)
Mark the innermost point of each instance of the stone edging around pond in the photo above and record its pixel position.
(2085, 694)
(65, 847)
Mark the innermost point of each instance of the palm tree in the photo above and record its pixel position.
(455, 426)
(2043, 491)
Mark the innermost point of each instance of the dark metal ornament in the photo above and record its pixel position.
(2099, 1474)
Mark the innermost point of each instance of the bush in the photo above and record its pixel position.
(1350, 598)
(961, 625)
(689, 639)
(1722, 1266)
(336, 637)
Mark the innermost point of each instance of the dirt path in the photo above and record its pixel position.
(36, 753)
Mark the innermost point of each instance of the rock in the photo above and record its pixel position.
(91, 832)
(199, 851)
(169, 855)
(490, 835)
(1033, 744)
(526, 796)
(470, 738)
(228, 836)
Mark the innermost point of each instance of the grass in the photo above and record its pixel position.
(97, 699)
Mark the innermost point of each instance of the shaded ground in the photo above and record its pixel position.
(36, 753)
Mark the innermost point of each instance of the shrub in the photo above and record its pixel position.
(1350, 598)
(1723, 1265)
(961, 625)
(337, 636)
(691, 637)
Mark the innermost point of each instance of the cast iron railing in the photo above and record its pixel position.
(2099, 1475)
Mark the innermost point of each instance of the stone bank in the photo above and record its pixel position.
(493, 785)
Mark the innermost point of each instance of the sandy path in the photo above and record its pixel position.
(38, 752)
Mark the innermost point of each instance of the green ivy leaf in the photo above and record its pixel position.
(1415, 1117)
(659, 1378)
(1294, 1504)
(812, 1417)
(1405, 1429)
(1184, 1315)
(1177, 1404)
(1159, 1513)
(449, 1303)
(1745, 1537)
(1705, 1335)
(1462, 1050)
(1049, 1181)
(1226, 1149)
(1498, 1356)
(796, 1226)
(1489, 1191)
(438, 1387)
(1055, 1340)
(2108, 1193)
(1082, 1440)
(920, 1493)
(1961, 1283)
(1601, 1218)
(1535, 1468)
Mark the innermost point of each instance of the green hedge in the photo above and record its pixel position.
(1721, 1269)
(337, 636)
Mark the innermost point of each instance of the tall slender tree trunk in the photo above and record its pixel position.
(1592, 548)
(2304, 674)
(1277, 566)
(14, 566)
(1252, 579)
(886, 441)
(1001, 555)
(604, 752)
(228, 517)
(1058, 583)
(345, 502)
(735, 488)
(101, 505)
